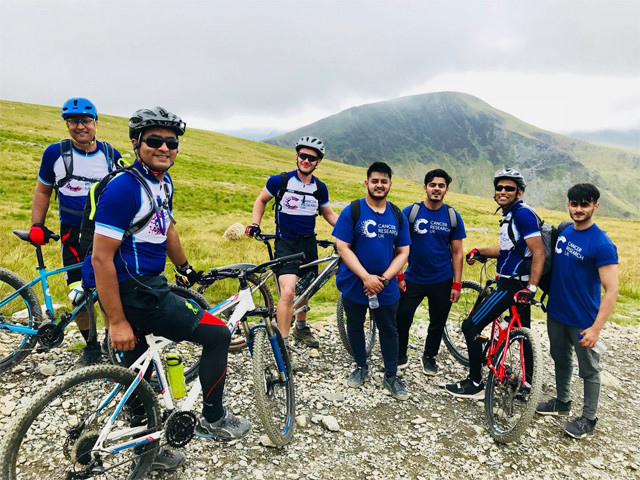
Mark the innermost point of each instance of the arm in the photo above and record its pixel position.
(174, 248)
(398, 262)
(329, 215)
(259, 206)
(372, 283)
(536, 246)
(41, 198)
(609, 278)
(104, 248)
(456, 262)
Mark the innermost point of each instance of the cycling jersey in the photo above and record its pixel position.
(298, 205)
(525, 225)
(73, 194)
(430, 256)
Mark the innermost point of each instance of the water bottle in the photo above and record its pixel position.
(175, 375)
(76, 293)
(373, 302)
(599, 347)
(502, 326)
(304, 282)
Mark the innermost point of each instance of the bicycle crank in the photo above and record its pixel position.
(180, 428)
(50, 335)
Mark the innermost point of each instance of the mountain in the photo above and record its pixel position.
(470, 139)
(623, 138)
(253, 133)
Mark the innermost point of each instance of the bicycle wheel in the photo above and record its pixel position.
(223, 288)
(189, 352)
(53, 435)
(24, 311)
(509, 403)
(369, 328)
(452, 335)
(275, 398)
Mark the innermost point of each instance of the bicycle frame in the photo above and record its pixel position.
(503, 338)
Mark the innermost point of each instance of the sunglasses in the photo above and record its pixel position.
(74, 122)
(156, 141)
(508, 188)
(576, 204)
(306, 156)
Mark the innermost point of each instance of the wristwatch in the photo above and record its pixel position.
(385, 280)
(532, 288)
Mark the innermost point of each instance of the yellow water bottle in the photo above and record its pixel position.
(175, 375)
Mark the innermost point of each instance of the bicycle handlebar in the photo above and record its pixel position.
(266, 237)
(216, 274)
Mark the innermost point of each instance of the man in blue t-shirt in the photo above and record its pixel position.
(88, 162)
(374, 247)
(585, 262)
(519, 268)
(434, 270)
(297, 205)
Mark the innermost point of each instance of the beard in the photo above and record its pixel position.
(377, 195)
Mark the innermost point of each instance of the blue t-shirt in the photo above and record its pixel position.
(525, 225)
(73, 194)
(372, 240)
(299, 207)
(430, 257)
(122, 203)
(574, 296)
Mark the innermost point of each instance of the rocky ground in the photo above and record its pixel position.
(430, 436)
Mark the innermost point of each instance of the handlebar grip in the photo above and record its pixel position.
(55, 237)
(291, 258)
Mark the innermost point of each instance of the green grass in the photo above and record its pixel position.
(217, 179)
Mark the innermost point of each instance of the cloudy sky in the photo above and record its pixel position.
(562, 65)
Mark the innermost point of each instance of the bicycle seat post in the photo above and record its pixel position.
(40, 258)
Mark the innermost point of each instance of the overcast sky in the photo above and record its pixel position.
(562, 65)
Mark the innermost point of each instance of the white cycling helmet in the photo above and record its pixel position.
(311, 142)
(510, 174)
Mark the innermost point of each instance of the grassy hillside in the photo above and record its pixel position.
(217, 179)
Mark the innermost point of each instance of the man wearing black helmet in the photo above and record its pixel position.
(70, 167)
(517, 276)
(128, 272)
(297, 204)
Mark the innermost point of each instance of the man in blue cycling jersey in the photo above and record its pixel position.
(519, 268)
(297, 205)
(71, 167)
(434, 270)
(128, 272)
(585, 262)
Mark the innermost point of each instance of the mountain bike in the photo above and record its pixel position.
(106, 420)
(22, 326)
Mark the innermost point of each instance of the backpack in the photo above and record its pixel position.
(453, 218)
(284, 177)
(355, 215)
(88, 224)
(545, 279)
(66, 152)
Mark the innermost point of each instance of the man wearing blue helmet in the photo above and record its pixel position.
(70, 167)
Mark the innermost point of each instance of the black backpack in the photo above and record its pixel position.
(88, 225)
(355, 215)
(284, 177)
(453, 218)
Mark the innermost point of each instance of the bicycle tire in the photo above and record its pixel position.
(509, 407)
(223, 288)
(275, 400)
(369, 324)
(48, 436)
(14, 346)
(452, 335)
(188, 351)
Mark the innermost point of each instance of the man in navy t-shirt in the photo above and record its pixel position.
(519, 269)
(373, 249)
(585, 261)
(88, 163)
(297, 205)
(434, 270)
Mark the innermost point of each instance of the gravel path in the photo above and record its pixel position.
(430, 436)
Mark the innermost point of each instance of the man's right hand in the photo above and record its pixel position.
(252, 230)
(39, 234)
(122, 336)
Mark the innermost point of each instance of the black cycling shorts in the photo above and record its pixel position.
(306, 245)
(71, 253)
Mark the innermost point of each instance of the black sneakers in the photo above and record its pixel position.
(91, 355)
(554, 407)
(580, 427)
(395, 387)
(466, 389)
(305, 336)
(429, 366)
(167, 460)
(356, 379)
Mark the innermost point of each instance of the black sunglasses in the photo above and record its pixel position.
(508, 188)
(156, 141)
(76, 121)
(576, 204)
(306, 156)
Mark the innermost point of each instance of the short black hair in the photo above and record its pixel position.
(438, 172)
(583, 192)
(380, 167)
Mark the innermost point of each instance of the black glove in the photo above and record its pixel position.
(187, 276)
(476, 256)
(39, 234)
(252, 230)
(524, 296)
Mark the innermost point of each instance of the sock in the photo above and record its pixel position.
(476, 384)
(286, 341)
(300, 324)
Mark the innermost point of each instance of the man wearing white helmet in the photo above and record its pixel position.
(518, 274)
(297, 203)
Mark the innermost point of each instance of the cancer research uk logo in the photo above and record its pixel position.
(370, 229)
(570, 249)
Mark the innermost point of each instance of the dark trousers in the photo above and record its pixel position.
(439, 306)
(492, 307)
(385, 318)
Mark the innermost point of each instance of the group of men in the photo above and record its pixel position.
(374, 239)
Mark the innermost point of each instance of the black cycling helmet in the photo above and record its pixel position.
(158, 117)
(76, 107)
(311, 142)
(510, 174)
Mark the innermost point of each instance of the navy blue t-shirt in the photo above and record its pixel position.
(372, 240)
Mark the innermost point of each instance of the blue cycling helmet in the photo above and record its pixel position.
(79, 106)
